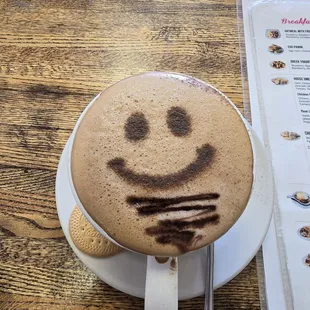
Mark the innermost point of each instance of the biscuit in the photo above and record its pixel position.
(87, 239)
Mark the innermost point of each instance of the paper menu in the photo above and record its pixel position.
(280, 48)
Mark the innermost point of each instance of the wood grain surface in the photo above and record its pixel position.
(55, 55)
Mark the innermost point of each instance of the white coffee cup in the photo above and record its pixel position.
(161, 291)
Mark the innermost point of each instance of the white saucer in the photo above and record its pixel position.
(233, 251)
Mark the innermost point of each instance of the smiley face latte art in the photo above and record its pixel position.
(163, 163)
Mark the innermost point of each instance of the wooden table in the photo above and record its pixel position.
(55, 55)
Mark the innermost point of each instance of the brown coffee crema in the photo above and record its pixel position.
(163, 163)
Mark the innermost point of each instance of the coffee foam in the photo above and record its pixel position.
(208, 154)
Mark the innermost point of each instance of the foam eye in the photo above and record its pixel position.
(178, 121)
(136, 127)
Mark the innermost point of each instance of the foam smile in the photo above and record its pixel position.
(204, 158)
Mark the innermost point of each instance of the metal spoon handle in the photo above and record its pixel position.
(209, 278)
